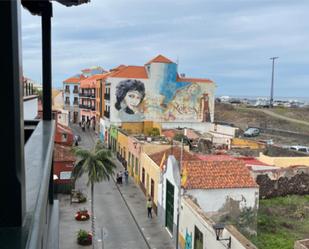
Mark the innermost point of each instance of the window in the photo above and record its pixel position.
(64, 137)
(67, 89)
(75, 101)
(152, 188)
(67, 100)
(198, 238)
(143, 176)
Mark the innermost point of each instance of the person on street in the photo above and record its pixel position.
(126, 176)
(149, 207)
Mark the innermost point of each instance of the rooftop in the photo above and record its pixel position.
(63, 153)
(159, 59)
(135, 72)
(176, 152)
(216, 175)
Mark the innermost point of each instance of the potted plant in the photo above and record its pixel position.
(81, 197)
(82, 214)
(84, 238)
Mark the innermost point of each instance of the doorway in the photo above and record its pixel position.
(169, 213)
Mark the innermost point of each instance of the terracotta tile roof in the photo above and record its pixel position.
(216, 157)
(176, 152)
(193, 80)
(135, 72)
(90, 82)
(63, 153)
(74, 79)
(159, 59)
(216, 175)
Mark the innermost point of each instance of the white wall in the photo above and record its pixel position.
(211, 200)
(63, 117)
(192, 216)
(173, 176)
(30, 108)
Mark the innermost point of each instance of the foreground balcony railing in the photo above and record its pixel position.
(42, 211)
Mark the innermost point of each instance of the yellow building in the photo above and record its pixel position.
(145, 127)
(122, 145)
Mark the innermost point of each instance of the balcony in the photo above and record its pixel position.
(92, 95)
(107, 96)
(84, 95)
(92, 108)
(75, 91)
(106, 114)
(75, 103)
(41, 211)
(67, 102)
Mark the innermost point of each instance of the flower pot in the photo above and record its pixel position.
(84, 238)
(82, 215)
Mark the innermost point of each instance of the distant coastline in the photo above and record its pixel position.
(302, 99)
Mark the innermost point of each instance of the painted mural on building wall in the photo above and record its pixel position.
(129, 98)
(163, 98)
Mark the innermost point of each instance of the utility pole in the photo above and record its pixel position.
(272, 83)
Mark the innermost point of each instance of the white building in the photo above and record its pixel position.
(218, 187)
(196, 230)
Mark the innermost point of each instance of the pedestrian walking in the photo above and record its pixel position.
(83, 125)
(149, 207)
(126, 176)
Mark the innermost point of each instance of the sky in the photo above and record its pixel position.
(227, 41)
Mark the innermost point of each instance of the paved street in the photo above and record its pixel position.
(121, 230)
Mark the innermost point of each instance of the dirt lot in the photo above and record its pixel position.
(244, 117)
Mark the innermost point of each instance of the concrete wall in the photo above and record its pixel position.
(284, 161)
(30, 108)
(228, 205)
(212, 200)
(192, 216)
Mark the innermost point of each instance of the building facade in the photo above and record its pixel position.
(71, 96)
(156, 92)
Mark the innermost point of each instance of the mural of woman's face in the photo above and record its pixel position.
(132, 99)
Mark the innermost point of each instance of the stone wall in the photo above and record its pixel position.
(282, 182)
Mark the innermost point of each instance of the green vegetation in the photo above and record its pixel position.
(282, 221)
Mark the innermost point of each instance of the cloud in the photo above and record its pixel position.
(228, 41)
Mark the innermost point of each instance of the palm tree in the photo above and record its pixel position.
(98, 165)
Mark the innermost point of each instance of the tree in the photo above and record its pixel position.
(98, 165)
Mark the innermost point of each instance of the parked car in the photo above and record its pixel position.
(300, 148)
(252, 132)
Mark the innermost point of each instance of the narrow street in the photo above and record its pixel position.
(111, 213)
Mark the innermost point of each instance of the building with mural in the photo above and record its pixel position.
(158, 93)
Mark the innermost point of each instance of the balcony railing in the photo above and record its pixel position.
(41, 210)
(67, 102)
(85, 95)
(106, 114)
(93, 108)
(107, 96)
(92, 95)
(75, 91)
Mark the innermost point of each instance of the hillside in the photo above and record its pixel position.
(243, 117)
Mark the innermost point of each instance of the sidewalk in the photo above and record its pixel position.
(155, 234)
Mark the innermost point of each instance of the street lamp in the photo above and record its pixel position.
(218, 230)
(272, 83)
